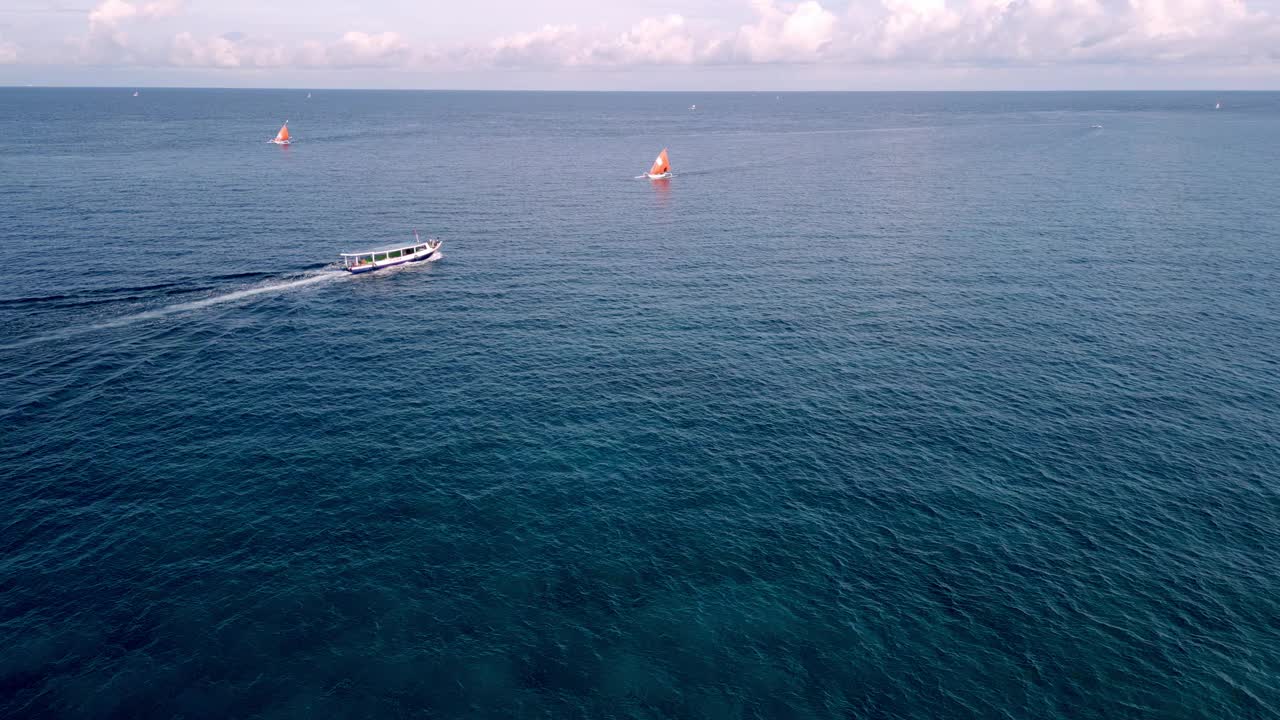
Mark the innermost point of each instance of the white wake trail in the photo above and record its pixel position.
(218, 300)
(329, 276)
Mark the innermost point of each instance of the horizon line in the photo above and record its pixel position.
(313, 88)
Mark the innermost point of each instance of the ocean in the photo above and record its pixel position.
(886, 405)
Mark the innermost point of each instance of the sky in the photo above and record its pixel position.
(663, 45)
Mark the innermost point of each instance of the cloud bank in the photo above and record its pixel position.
(940, 33)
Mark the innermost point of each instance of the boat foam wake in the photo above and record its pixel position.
(321, 277)
(220, 299)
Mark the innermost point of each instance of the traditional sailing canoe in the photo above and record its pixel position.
(282, 137)
(661, 167)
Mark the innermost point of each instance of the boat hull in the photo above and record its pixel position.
(281, 142)
(662, 176)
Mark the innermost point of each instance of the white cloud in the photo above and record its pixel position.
(652, 41)
(946, 33)
(664, 40)
(110, 13)
(359, 49)
(108, 42)
(549, 46)
(1038, 32)
(237, 50)
(161, 8)
(8, 53)
(231, 50)
(938, 33)
(911, 24)
(794, 33)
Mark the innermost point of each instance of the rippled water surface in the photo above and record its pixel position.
(885, 406)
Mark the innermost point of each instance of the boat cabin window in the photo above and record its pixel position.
(380, 256)
(394, 254)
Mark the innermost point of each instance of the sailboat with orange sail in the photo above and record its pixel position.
(661, 167)
(282, 137)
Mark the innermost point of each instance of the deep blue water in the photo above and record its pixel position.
(886, 406)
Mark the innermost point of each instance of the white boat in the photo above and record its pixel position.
(135, 93)
(282, 137)
(1217, 106)
(416, 251)
(661, 169)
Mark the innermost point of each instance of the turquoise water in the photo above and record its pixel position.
(885, 406)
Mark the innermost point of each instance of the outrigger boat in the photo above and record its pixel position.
(282, 137)
(661, 167)
(398, 255)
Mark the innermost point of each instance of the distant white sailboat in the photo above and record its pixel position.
(1217, 106)
(308, 96)
(135, 93)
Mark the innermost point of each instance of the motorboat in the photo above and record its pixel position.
(370, 260)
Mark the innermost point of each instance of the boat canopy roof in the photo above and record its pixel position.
(390, 248)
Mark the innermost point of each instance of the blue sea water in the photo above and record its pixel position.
(885, 406)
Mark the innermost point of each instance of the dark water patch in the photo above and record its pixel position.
(245, 275)
(32, 300)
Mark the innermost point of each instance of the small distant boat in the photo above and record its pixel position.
(693, 107)
(661, 167)
(308, 96)
(1217, 106)
(1096, 126)
(135, 93)
(282, 137)
(416, 251)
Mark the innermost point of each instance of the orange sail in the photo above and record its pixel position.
(283, 135)
(661, 165)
